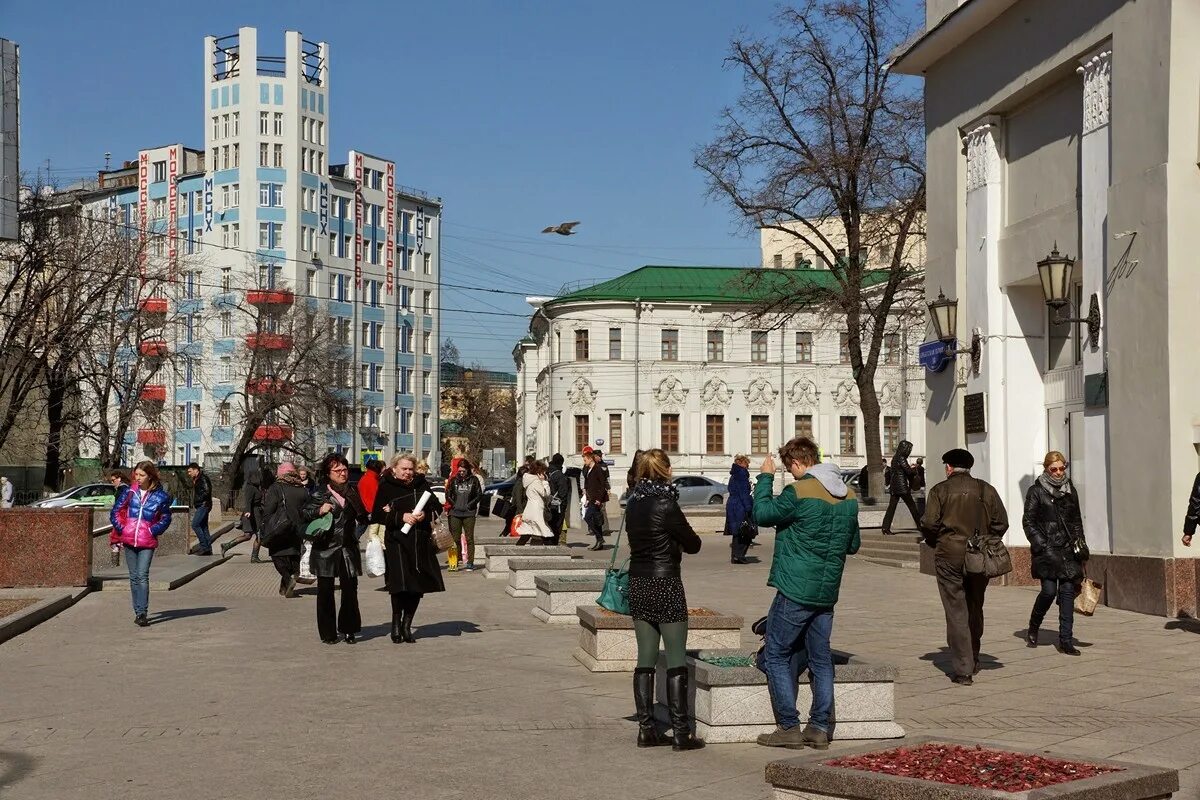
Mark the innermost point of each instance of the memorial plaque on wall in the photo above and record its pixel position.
(975, 413)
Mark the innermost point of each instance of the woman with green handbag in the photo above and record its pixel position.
(658, 536)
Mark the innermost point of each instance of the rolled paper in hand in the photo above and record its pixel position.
(425, 498)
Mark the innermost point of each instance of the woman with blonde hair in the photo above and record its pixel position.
(1054, 526)
(658, 535)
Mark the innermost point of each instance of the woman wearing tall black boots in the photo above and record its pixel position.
(411, 557)
(335, 553)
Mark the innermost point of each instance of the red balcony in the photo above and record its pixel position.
(154, 305)
(268, 386)
(151, 436)
(268, 341)
(154, 393)
(154, 348)
(273, 433)
(270, 297)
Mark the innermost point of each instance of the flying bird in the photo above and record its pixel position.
(562, 229)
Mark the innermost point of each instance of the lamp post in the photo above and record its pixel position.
(944, 314)
(1057, 273)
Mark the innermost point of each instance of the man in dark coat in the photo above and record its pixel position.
(739, 525)
(201, 507)
(900, 485)
(1192, 518)
(560, 497)
(956, 508)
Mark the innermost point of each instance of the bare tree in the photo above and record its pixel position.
(826, 146)
(482, 407)
(448, 353)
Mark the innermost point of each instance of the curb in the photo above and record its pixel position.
(31, 616)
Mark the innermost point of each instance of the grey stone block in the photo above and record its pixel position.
(496, 566)
(523, 572)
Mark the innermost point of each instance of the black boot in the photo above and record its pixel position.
(406, 628)
(1031, 633)
(398, 628)
(643, 700)
(677, 704)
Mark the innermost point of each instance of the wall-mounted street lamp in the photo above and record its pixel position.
(1057, 273)
(944, 314)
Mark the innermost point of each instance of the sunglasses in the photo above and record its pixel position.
(1056, 470)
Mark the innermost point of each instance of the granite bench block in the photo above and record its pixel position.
(45, 546)
(523, 572)
(808, 777)
(559, 595)
(732, 704)
(497, 557)
(607, 642)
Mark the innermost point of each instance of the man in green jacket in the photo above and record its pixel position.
(816, 518)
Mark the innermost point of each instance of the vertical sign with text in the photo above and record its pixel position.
(172, 208)
(420, 232)
(143, 208)
(390, 241)
(208, 204)
(323, 208)
(358, 220)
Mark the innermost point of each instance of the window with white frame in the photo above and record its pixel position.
(427, 343)
(278, 129)
(264, 124)
(426, 301)
(226, 324)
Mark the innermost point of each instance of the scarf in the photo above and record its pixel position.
(339, 499)
(648, 488)
(1055, 486)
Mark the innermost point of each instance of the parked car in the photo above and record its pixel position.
(850, 476)
(97, 494)
(695, 490)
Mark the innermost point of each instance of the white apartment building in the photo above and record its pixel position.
(658, 358)
(263, 206)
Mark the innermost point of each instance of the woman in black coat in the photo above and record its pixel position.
(411, 558)
(335, 553)
(1054, 526)
(899, 483)
(288, 494)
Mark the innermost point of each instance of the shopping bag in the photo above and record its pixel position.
(375, 564)
(306, 575)
(1088, 597)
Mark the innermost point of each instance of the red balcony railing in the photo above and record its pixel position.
(268, 386)
(151, 436)
(154, 348)
(154, 305)
(273, 433)
(154, 393)
(268, 341)
(270, 297)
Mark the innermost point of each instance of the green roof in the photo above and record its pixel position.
(709, 284)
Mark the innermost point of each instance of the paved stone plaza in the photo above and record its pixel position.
(229, 694)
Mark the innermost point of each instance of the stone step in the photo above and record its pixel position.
(891, 562)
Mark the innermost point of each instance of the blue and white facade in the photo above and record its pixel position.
(263, 206)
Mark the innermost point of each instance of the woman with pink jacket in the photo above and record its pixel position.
(140, 513)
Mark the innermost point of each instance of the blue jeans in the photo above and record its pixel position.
(1064, 590)
(138, 560)
(200, 526)
(798, 636)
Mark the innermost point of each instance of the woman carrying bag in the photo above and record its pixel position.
(658, 535)
(410, 555)
(1054, 526)
(335, 553)
(283, 501)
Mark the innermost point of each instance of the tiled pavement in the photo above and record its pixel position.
(230, 695)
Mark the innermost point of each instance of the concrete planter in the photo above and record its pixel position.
(560, 595)
(497, 556)
(522, 572)
(809, 777)
(732, 703)
(607, 643)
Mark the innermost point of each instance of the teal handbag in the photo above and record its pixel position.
(615, 594)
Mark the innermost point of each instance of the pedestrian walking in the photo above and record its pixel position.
(368, 484)
(739, 523)
(598, 455)
(463, 494)
(118, 478)
(956, 509)
(139, 515)
(900, 485)
(1191, 517)
(335, 555)
(535, 525)
(516, 498)
(201, 507)
(411, 556)
(306, 479)
(595, 494)
(6, 492)
(560, 496)
(1053, 524)
(287, 497)
(659, 535)
(253, 486)
(816, 523)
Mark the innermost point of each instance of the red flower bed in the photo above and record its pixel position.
(976, 767)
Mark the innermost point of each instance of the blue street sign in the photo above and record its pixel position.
(934, 356)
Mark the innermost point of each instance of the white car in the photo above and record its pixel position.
(100, 494)
(695, 490)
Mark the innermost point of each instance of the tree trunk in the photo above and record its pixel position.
(56, 392)
(869, 405)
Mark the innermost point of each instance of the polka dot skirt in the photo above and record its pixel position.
(657, 599)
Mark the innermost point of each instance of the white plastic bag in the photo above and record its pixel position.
(306, 575)
(375, 564)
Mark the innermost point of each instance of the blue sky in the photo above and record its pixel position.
(518, 114)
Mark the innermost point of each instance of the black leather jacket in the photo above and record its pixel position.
(900, 478)
(1053, 525)
(657, 531)
(1192, 518)
(202, 492)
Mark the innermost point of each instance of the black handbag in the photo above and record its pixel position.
(986, 555)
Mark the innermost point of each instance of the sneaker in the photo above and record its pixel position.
(791, 738)
(141, 620)
(815, 738)
(469, 567)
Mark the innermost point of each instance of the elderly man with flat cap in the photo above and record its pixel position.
(954, 510)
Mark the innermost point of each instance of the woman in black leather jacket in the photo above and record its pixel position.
(1054, 526)
(658, 536)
